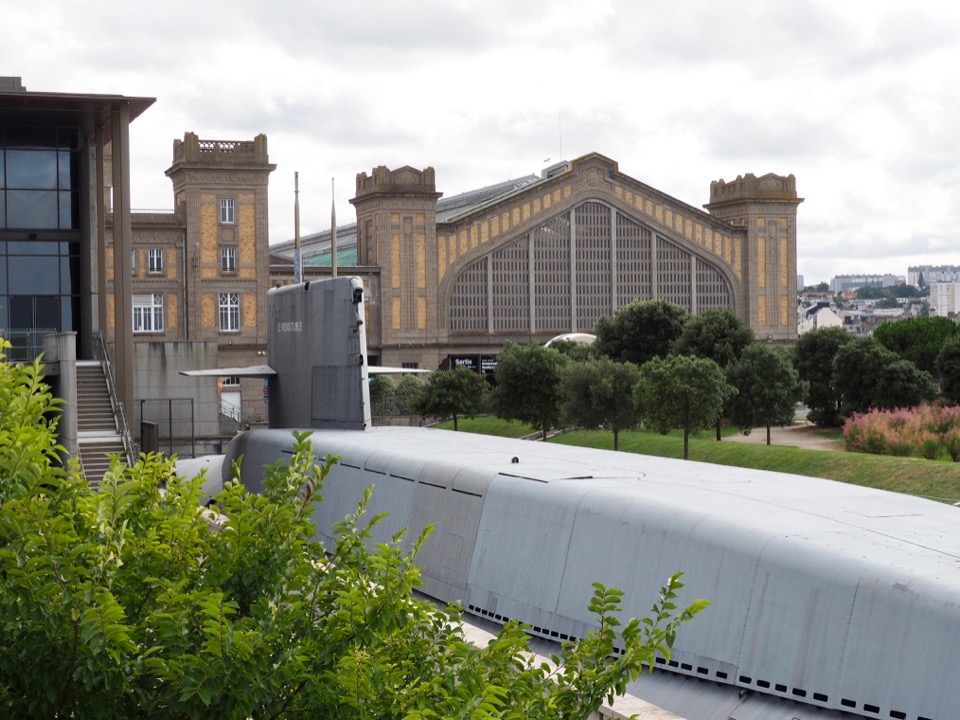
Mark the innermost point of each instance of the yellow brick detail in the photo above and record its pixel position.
(395, 218)
(738, 258)
(649, 207)
(557, 195)
(170, 262)
(629, 197)
(247, 254)
(441, 258)
(395, 261)
(526, 211)
(249, 312)
(394, 312)
(761, 222)
(659, 213)
(516, 216)
(669, 217)
(247, 228)
(421, 313)
(783, 262)
(209, 252)
(638, 203)
(678, 223)
(782, 222)
(495, 226)
(728, 250)
(110, 266)
(421, 261)
(761, 262)
(111, 311)
(209, 273)
(172, 304)
(247, 196)
(464, 242)
(567, 190)
(208, 311)
(474, 236)
(618, 191)
(688, 229)
(761, 311)
(421, 218)
(484, 231)
(247, 272)
(547, 200)
(453, 249)
(783, 310)
(536, 206)
(698, 232)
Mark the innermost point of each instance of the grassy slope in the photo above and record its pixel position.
(928, 478)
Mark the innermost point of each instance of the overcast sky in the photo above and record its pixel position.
(860, 99)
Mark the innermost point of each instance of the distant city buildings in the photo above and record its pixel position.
(943, 298)
(846, 283)
(931, 274)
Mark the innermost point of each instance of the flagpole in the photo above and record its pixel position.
(333, 231)
(297, 257)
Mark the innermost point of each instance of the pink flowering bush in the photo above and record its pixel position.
(928, 431)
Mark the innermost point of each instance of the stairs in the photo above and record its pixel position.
(97, 433)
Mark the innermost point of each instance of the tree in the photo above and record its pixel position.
(576, 351)
(681, 392)
(768, 388)
(718, 334)
(642, 330)
(598, 394)
(868, 375)
(451, 393)
(127, 601)
(948, 368)
(383, 400)
(528, 385)
(408, 387)
(813, 357)
(917, 339)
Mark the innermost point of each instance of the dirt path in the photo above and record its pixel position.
(801, 434)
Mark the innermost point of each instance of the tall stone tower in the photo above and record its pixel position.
(396, 230)
(220, 190)
(766, 208)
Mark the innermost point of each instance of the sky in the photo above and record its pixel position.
(859, 99)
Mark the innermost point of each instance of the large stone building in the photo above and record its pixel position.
(198, 289)
(535, 257)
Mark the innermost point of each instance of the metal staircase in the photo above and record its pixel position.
(98, 432)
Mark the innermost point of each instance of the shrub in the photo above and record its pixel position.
(927, 431)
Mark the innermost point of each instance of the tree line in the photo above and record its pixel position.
(655, 364)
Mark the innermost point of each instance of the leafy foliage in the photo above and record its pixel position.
(681, 392)
(407, 388)
(948, 368)
(917, 339)
(383, 396)
(926, 431)
(867, 375)
(598, 394)
(642, 330)
(718, 334)
(768, 388)
(528, 385)
(131, 601)
(813, 357)
(451, 393)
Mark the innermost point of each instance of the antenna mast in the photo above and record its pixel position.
(297, 258)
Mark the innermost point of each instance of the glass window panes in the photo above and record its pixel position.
(148, 313)
(155, 260)
(32, 209)
(227, 211)
(228, 259)
(32, 169)
(229, 312)
(34, 275)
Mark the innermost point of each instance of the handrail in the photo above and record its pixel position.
(100, 353)
(230, 410)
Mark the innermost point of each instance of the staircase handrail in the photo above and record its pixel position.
(101, 353)
(231, 411)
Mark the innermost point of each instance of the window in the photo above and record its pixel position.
(148, 313)
(227, 211)
(231, 381)
(155, 260)
(229, 312)
(228, 259)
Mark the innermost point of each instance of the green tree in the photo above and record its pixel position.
(768, 388)
(718, 334)
(528, 385)
(408, 387)
(451, 393)
(681, 392)
(868, 375)
(813, 357)
(642, 330)
(598, 394)
(126, 601)
(576, 351)
(383, 400)
(917, 339)
(948, 368)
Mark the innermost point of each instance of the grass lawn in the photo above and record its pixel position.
(490, 426)
(915, 476)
